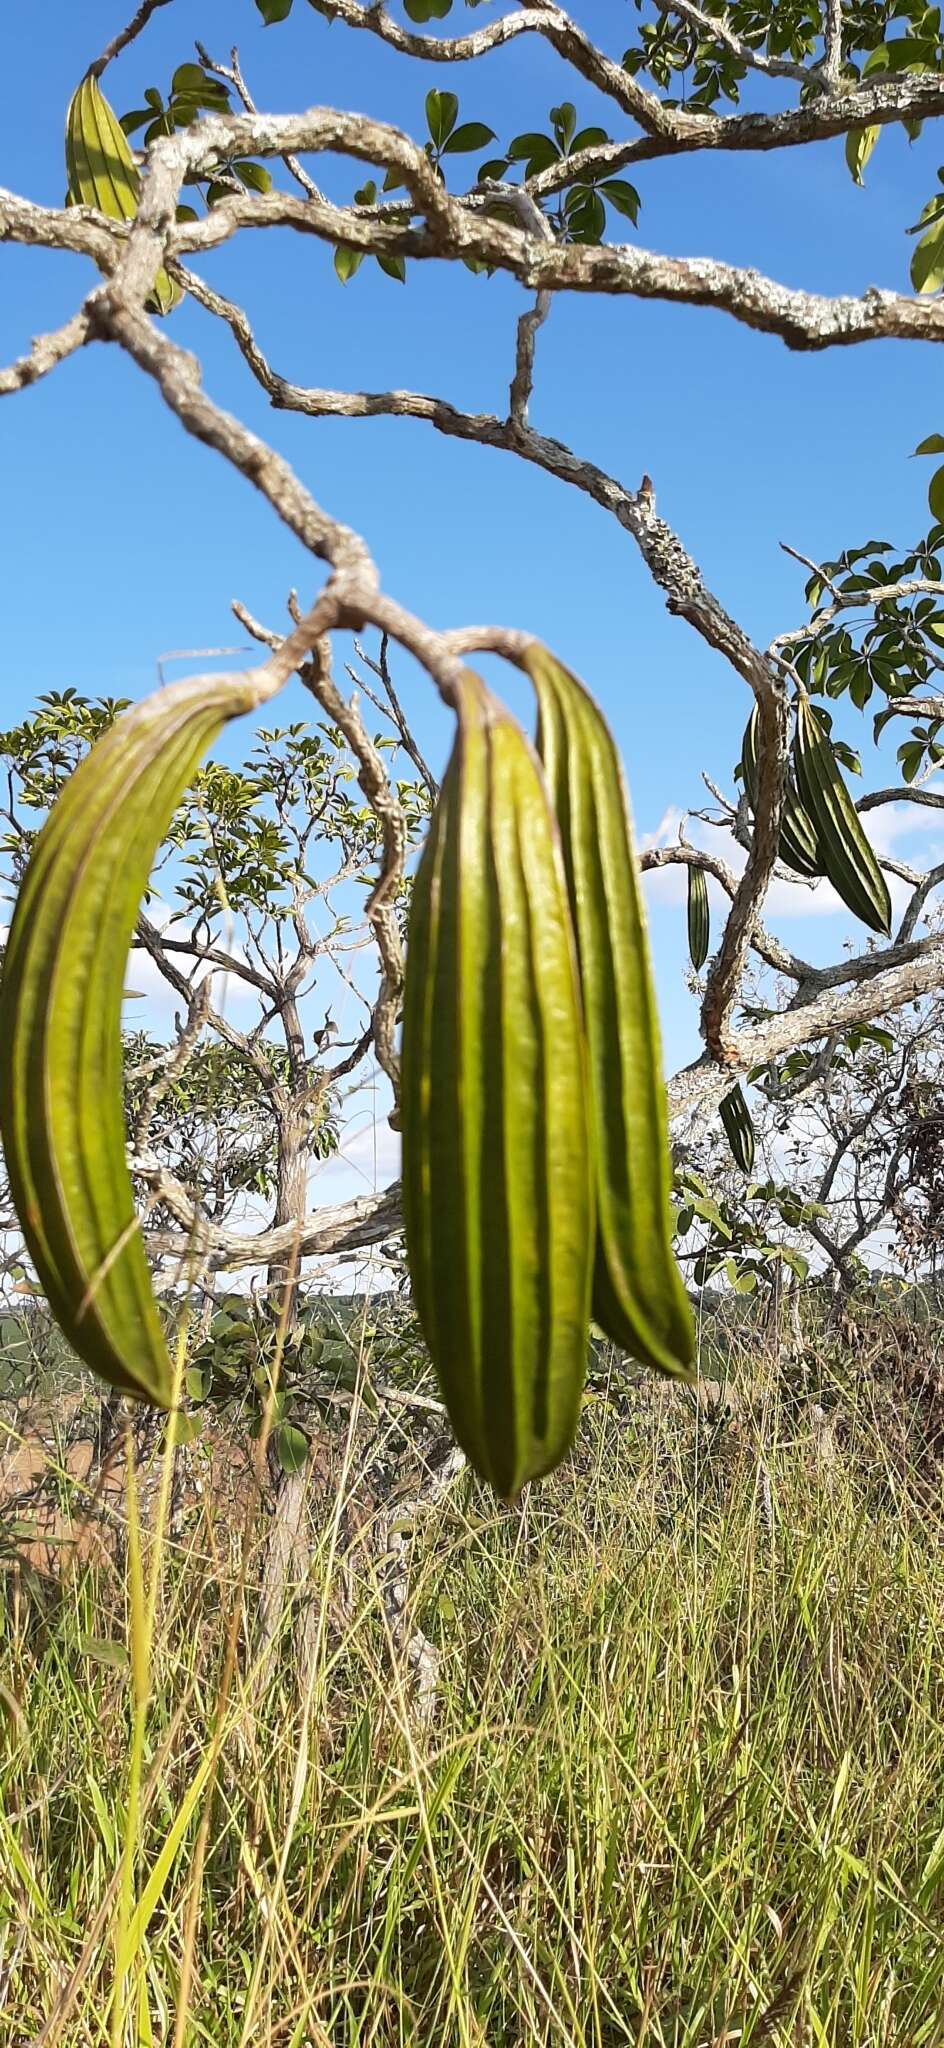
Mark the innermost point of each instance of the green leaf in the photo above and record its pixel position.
(936, 495)
(538, 152)
(442, 110)
(860, 690)
(622, 196)
(61, 1112)
(563, 120)
(183, 1429)
(393, 266)
(198, 1379)
(927, 263)
(189, 78)
(347, 261)
(136, 119)
(470, 135)
(274, 10)
(860, 143)
(291, 1447)
(795, 1260)
(255, 176)
(933, 445)
(911, 757)
(101, 1651)
(586, 214)
(427, 10)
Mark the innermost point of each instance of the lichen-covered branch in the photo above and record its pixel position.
(47, 352)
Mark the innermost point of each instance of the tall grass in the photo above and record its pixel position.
(684, 1780)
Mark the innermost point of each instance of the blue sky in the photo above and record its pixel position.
(123, 540)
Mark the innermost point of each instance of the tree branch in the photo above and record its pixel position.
(832, 53)
(763, 943)
(365, 1220)
(873, 103)
(47, 352)
(381, 904)
(232, 72)
(716, 29)
(856, 600)
(933, 799)
(125, 36)
(545, 20)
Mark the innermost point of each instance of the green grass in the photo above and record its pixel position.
(684, 1783)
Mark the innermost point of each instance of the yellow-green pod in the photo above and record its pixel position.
(61, 1103)
(638, 1295)
(102, 172)
(497, 1179)
(847, 855)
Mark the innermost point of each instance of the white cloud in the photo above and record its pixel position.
(666, 830)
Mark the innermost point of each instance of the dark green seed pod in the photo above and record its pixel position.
(497, 1177)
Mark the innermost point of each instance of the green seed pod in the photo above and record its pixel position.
(497, 1175)
(102, 172)
(638, 1295)
(799, 845)
(699, 918)
(738, 1127)
(61, 1110)
(848, 858)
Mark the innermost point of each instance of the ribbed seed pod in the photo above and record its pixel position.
(497, 1177)
(638, 1295)
(799, 846)
(61, 1111)
(699, 918)
(102, 172)
(848, 858)
(738, 1127)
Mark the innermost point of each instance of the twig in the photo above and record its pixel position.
(125, 36)
(47, 352)
(381, 669)
(715, 29)
(855, 600)
(232, 72)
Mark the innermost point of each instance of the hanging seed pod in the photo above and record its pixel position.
(638, 1295)
(61, 1110)
(497, 1177)
(699, 918)
(799, 845)
(102, 172)
(738, 1127)
(848, 858)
